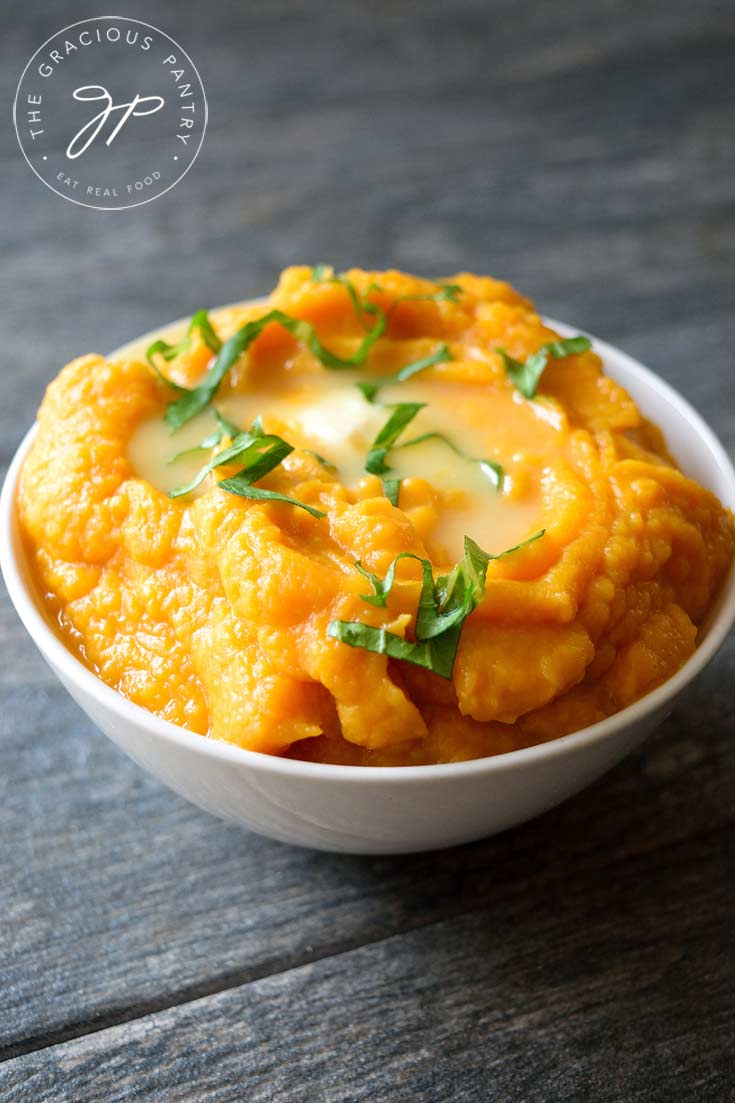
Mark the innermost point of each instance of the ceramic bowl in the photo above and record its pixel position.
(389, 810)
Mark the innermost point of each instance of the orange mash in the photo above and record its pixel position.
(376, 416)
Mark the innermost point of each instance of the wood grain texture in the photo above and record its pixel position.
(585, 153)
(537, 996)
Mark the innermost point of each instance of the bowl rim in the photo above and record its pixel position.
(109, 699)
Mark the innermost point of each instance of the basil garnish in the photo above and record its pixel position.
(448, 292)
(261, 453)
(241, 484)
(494, 471)
(403, 413)
(196, 399)
(383, 587)
(321, 459)
(200, 321)
(224, 429)
(192, 400)
(387, 439)
(370, 389)
(392, 489)
(444, 605)
(320, 274)
(525, 375)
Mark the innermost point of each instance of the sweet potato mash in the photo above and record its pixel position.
(375, 520)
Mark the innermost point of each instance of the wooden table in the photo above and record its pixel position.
(148, 952)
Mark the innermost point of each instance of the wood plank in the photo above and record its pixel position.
(596, 988)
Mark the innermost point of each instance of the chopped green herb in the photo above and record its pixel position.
(392, 490)
(568, 346)
(403, 413)
(241, 484)
(448, 292)
(441, 356)
(375, 464)
(380, 640)
(200, 321)
(370, 389)
(387, 439)
(261, 453)
(206, 445)
(525, 375)
(493, 470)
(224, 429)
(247, 448)
(321, 459)
(228, 427)
(444, 605)
(192, 401)
(383, 587)
(320, 274)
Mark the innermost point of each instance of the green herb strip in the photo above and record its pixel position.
(525, 375)
(383, 642)
(494, 471)
(388, 439)
(193, 401)
(247, 448)
(447, 292)
(403, 414)
(321, 459)
(383, 587)
(200, 321)
(370, 388)
(224, 429)
(392, 490)
(444, 605)
(240, 484)
(361, 307)
(261, 453)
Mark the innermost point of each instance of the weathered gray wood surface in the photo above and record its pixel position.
(148, 952)
(533, 1000)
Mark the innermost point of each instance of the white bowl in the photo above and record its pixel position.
(389, 810)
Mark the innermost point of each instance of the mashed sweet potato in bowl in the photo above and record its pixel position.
(377, 564)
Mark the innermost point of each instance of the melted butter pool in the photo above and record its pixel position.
(326, 412)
